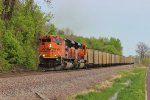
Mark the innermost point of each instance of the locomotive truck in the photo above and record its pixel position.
(67, 54)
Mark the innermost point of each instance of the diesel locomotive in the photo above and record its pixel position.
(57, 51)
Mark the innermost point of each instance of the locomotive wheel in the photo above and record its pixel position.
(82, 65)
(68, 65)
(76, 64)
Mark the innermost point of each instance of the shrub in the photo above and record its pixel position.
(13, 50)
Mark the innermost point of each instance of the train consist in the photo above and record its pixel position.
(57, 51)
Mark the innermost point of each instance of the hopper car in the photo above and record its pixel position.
(56, 51)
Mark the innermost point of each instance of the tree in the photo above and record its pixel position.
(60, 32)
(52, 30)
(110, 49)
(142, 49)
(117, 44)
(8, 9)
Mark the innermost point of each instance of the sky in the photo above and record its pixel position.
(128, 20)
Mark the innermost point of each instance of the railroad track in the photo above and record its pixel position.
(40, 72)
(46, 71)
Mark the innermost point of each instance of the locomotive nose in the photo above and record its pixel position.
(51, 52)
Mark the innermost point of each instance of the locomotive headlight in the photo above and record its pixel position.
(43, 55)
(50, 45)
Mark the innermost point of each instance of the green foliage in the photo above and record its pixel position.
(17, 35)
(13, 50)
(4, 65)
(52, 30)
(60, 32)
(111, 49)
(30, 57)
(131, 86)
(1, 21)
(117, 44)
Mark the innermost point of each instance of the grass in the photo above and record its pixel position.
(131, 86)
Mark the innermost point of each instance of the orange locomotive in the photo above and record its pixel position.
(55, 50)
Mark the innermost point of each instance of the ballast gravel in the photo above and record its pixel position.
(54, 85)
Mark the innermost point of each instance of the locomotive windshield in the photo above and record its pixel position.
(57, 40)
(46, 40)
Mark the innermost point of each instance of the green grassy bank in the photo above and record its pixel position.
(130, 86)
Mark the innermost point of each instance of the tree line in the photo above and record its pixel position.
(21, 20)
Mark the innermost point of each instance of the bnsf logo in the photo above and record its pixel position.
(50, 49)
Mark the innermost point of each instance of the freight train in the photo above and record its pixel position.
(68, 54)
